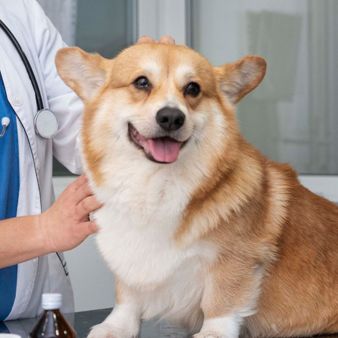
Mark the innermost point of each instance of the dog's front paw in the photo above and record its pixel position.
(105, 330)
(209, 334)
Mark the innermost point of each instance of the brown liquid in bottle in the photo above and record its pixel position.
(52, 324)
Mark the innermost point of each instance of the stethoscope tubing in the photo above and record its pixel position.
(39, 102)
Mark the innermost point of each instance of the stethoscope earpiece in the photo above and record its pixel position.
(4, 123)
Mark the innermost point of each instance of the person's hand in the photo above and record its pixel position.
(166, 39)
(66, 223)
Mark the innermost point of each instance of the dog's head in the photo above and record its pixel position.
(157, 103)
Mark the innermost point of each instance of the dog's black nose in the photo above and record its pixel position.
(170, 119)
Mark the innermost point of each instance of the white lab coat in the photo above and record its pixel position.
(40, 41)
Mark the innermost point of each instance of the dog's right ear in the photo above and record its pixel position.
(83, 72)
(240, 78)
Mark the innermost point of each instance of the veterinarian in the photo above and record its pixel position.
(39, 118)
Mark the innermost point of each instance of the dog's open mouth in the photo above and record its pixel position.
(160, 149)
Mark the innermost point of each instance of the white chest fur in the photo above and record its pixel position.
(137, 226)
(142, 209)
(140, 254)
(138, 242)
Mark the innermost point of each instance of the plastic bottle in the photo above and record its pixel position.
(51, 323)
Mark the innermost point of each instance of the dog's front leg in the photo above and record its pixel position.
(124, 320)
(227, 301)
(226, 326)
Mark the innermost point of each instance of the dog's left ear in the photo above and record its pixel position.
(85, 73)
(240, 78)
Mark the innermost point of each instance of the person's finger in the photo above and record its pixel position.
(78, 182)
(167, 39)
(145, 39)
(75, 185)
(80, 193)
(89, 228)
(86, 206)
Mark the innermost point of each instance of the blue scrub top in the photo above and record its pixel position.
(9, 194)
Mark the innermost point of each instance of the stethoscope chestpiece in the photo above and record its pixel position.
(46, 124)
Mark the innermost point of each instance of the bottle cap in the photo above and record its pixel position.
(51, 301)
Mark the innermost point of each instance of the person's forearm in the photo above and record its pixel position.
(21, 239)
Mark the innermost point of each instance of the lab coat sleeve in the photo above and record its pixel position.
(64, 103)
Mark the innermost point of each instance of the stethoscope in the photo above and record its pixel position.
(45, 122)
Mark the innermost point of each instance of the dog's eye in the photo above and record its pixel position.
(142, 83)
(192, 89)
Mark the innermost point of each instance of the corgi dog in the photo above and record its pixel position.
(197, 225)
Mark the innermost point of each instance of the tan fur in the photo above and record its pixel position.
(276, 242)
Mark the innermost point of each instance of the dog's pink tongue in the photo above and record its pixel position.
(163, 149)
